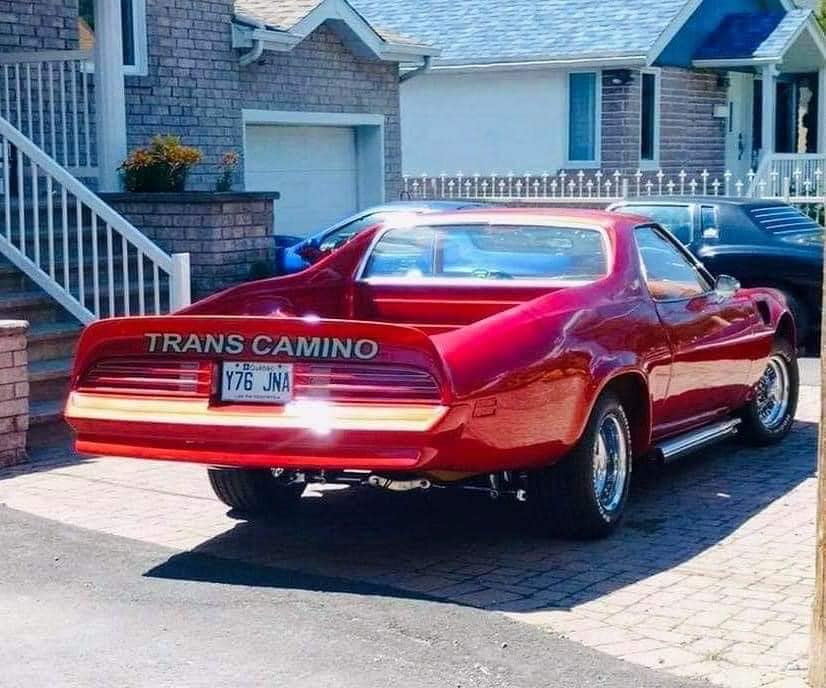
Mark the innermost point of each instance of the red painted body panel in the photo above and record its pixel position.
(517, 368)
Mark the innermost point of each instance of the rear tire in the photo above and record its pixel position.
(769, 416)
(584, 495)
(253, 492)
(801, 319)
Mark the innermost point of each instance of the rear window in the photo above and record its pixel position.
(490, 252)
(779, 219)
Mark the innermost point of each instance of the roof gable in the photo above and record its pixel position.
(753, 35)
(282, 24)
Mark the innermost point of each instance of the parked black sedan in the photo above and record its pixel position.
(761, 243)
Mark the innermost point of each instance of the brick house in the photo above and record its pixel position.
(616, 85)
(306, 90)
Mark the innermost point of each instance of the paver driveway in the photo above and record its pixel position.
(711, 575)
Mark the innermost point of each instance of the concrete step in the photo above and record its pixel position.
(49, 379)
(33, 305)
(53, 340)
(46, 424)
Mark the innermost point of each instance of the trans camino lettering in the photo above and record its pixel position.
(263, 345)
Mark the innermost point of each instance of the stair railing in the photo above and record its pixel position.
(84, 254)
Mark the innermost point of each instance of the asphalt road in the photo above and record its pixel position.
(79, 608)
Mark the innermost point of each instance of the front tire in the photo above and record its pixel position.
(253, 492)
(768, 417)
(584, 495)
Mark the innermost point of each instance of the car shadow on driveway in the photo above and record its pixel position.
(467, 549)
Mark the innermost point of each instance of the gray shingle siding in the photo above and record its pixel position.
(197, 89)
(38, 25)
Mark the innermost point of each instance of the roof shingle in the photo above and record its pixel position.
(482, 31)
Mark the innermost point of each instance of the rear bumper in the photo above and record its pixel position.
(299, 435)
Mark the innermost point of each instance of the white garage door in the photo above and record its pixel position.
(313, 168)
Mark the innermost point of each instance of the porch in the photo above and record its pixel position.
(775, 65)
(71, 103)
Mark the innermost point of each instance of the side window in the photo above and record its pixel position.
(675, 218)
(403, 253)
(708, 219)
(668, 273)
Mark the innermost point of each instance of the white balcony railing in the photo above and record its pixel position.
(48, 97)
(80, 251)
(786, 175)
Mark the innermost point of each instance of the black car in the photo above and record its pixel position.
(761, 243)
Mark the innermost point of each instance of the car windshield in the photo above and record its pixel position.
(343, 234)
(675, 218)
(490, 252)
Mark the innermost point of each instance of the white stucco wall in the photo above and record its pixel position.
(483, 122)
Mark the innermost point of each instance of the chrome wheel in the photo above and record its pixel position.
(611, 463)
(773, 393)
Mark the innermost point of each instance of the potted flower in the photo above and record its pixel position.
(163, 165)
(227, 167)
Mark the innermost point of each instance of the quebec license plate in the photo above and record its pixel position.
(264, 383)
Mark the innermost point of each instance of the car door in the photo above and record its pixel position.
(707, 332)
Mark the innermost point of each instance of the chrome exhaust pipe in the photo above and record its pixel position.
(383, 483)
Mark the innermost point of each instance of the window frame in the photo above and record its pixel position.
(140, 45)
(704, 275)
(360, 278)
(597, 161)
(654, 162)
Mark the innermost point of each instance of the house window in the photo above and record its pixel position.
(649, 109)
(583, 117)
(133, 32)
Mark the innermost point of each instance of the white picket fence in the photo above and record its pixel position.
(800, 185)
(80, 251)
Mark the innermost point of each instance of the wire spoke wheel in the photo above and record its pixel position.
(610, 463)
(773, 393)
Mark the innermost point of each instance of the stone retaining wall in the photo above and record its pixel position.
(14, 392)
(225, 234)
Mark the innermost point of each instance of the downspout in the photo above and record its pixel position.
(253, 55)
(257, 44)
(423, 69)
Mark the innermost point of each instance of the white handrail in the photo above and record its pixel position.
(46, 56)
(52, 224)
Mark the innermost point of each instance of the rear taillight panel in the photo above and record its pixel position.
(339, 381)
(364, 382)
(144, 377)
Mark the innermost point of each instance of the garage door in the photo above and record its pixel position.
(313, 168)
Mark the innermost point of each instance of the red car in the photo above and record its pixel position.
(524, 352)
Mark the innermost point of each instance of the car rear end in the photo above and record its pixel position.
(262, 392)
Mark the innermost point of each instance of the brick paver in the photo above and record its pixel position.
(711, 576)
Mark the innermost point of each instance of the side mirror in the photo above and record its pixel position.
(726, 286)
(711, 234)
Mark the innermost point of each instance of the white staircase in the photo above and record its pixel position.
(66, 259)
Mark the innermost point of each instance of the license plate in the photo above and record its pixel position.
(266, 383)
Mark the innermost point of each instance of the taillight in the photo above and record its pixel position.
(364, 382)
(144, 377)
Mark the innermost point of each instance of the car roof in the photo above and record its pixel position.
(421, 205)
(540, 216)
(705, 200)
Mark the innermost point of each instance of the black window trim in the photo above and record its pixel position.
(699, 268)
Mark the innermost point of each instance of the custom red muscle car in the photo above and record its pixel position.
(524, 352)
